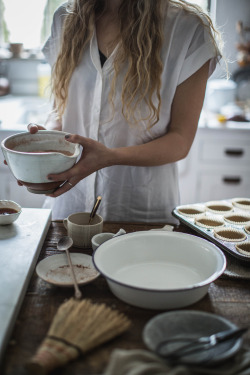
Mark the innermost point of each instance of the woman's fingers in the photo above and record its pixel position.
(68, 185)
(33, 128)
(70, 174)
(95, 156)
(83, 141)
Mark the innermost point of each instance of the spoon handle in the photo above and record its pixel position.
(96, 205)
(78, 293)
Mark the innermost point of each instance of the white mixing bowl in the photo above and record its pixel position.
(31, 157)
(159, 270)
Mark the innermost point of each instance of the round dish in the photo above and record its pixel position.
(32, 157)
(9, 218)
(159, 269)
(55, 269)
(195, 323)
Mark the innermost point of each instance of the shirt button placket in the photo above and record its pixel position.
(96, 108)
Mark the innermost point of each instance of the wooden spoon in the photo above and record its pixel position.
(63, 245)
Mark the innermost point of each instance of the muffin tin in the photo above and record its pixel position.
(226, 223)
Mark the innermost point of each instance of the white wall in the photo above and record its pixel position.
(227, 13)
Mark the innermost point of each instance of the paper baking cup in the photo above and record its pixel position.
(191, 211)
(229, 234)
(247, 229)
(209, 222)
(243, 248)
(238, 219)
(219, 207)
(243, 203)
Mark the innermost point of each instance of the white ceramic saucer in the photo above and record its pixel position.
(55, 269)
(196, 323)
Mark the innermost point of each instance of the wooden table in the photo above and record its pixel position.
(226, 297)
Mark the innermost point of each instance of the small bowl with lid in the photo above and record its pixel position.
(9, 211)
(32, 157)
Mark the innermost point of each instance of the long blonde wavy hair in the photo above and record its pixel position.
(141, 38)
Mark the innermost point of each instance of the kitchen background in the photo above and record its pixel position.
(218, 165)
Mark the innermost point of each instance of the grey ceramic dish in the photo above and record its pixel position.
(196, 323)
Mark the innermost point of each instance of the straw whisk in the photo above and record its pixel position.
(78, 327)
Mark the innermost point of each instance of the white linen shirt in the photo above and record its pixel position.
(135, 194)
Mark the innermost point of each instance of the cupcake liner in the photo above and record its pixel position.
(219, 207)
(247, 229)
(229, 234)
(209, 222)
(238, 219)
(242, 203)
(191, 211)
(243, 248)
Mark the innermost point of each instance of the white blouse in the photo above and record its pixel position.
(138, 194)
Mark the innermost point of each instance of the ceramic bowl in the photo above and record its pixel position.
(158, 269)
(31, 157)
(7, 206)
(100, 238)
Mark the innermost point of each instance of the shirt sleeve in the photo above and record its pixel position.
(201, 49)
(52, 45)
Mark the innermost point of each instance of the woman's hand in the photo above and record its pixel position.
(94, 156)
(33, 128)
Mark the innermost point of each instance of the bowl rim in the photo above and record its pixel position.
(22, 134)
(15, 203)
(203, 283)
(94, 238)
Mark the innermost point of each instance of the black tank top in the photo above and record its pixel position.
(103, 58)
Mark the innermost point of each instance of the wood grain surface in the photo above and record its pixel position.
(226, 297)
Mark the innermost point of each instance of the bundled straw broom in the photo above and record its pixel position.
(77, 327)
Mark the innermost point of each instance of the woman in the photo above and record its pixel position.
(129, 79)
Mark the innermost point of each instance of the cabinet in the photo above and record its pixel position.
(218, 165)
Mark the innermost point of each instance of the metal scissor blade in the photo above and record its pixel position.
(205, 343)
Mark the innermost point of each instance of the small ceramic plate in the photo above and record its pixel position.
(191, 323)
(55, 269)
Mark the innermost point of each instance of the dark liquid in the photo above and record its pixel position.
(7, 211)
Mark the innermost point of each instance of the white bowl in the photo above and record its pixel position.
(159, 270)
(100, 238)
(31, 157)
(9, 218)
